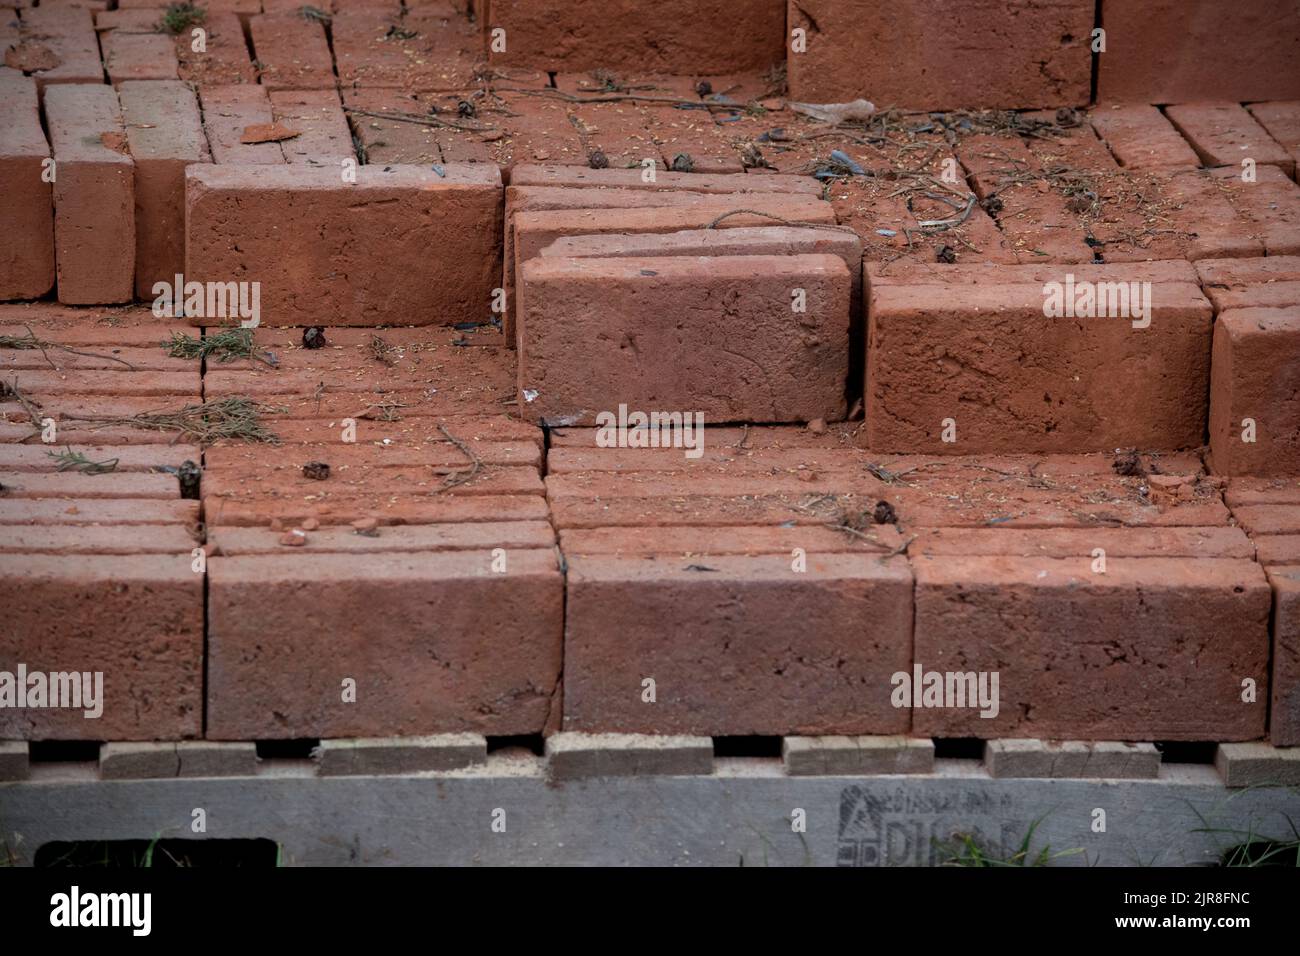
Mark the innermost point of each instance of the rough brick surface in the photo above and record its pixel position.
(165, 135)
(292, 51)
(417, 50)
(324, 138)
(1284, 717)
(227, 112)
(1154, 649)
(139, 56)
(94, 195)
(1179, 51)
(1224, 134)
(1012, 379)
(69, 34)
(747, 647)
(856, 756)
(455, 648)
(27, 214)
(715, 335)
(1282, 121)
(1141, 137)
(265, 224)
(703, 36)
(1011, 55)
(1256, 375)
(575, 756)
(138, 620)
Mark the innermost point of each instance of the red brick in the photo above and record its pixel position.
(408, 509)
(139, 56)
(456, 647)
(1159, 273)
(1239, 274)
(96, 539)
(77, 485)
(534, 230)
(265, 223)
(1284, 490)
(94, 196)
(136, 619)
(1248, 53)
(1268, 209)
(1015, 380)
(1282, 121)
(227, 112)
(446, 378)
(374, 50)
(1078, 543)
(1224, 134)
(1141, 137)
(902, 54)
(324, 138)
(27, 215)
(715, 336)
(243, 8)
(736, 645)
(1036, 221)
(131, 459)
(705, 36)
(98, 511)
(1255, 374)
(690, 542)
(292, 52)
(577, 176)
(385, 141)
(1278, 549)
(756, 241)
(224, 59)
(1268, 519)
(68, 33)
(1284, 717)
(1154, 649)
(481, 536)
(165, 135)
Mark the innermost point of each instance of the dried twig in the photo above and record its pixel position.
(30, 341)
(460, 477)
(69, 460)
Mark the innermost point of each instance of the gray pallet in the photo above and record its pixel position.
(739, 815)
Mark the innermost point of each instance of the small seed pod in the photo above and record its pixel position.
(189, 475)
(316, 470)
(313, 337)
(598, 160)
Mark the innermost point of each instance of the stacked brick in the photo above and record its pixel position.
(98, 572)
(400, 520)
(697, 574)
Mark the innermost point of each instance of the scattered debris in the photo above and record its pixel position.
(836, 113)
(189, 475)
(313, 337)
(366, 527)
(225, 346)
(597, 160)
(1128, 464)
(945, 254)
(316, 470)
(464, 475)
(30, 341)
(294, 538)
(267, 133)
(31, 57)
(381, 351)
(884, 513)
(236, 417)
(682, 163)
(69, 460)
(180, 17)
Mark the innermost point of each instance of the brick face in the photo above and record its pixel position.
(951, 54)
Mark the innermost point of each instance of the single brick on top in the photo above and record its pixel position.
(291, 52)
(94, 195)
(736, 338)
(265, 224)
(27, 214)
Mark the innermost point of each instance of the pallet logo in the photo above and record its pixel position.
(1084, 299)
(209, 300)
(78, 690)
(74, 909)
(653, 430)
